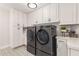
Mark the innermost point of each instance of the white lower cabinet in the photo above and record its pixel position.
(74, 52)
(67, 46)
(62, 48)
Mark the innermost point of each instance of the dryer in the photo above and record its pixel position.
(31, 39)
(46, 40)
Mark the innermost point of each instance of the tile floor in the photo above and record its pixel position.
(19, 51)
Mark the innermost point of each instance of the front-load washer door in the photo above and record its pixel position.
(42, 36)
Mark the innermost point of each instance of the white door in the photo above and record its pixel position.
(16, 31)
(61, 48)
(20, 25)
(67, 13)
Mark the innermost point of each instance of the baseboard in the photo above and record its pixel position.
(20, 46)
(17, 45)
(4, 47)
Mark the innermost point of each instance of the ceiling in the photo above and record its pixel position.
(23, 6)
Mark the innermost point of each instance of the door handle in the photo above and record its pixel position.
(18, 28)
(56, 46)
(61, 41)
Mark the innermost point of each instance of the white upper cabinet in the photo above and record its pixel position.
(53, 13)
(50, 13)
(77, 13)
(45, 14)
(35, 17)
(38, 16)
(31, 19)
(67, 13)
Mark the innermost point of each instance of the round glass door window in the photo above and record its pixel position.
(42, 36)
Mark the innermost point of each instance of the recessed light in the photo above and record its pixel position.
(32, 5)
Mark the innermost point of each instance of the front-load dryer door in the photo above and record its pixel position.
(42, 36)
(31, 37)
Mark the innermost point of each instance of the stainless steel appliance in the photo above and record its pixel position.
(31, 39)
(46, 40)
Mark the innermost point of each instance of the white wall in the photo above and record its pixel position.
(4, 27)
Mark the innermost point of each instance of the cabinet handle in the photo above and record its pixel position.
(18, 28)
(49, 19)
(36, 21)
(56, 46)
(61, 41)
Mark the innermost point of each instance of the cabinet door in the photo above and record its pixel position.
(67, 13)
(53, 12)
(61, 48)
(74, 52)
(77, 13)
(38, 16)
(35, 17)
(31, 18)
(20, 17)
(45, 14)
(16, 28)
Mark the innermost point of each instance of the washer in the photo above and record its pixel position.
(46, 40)
(31, 39)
